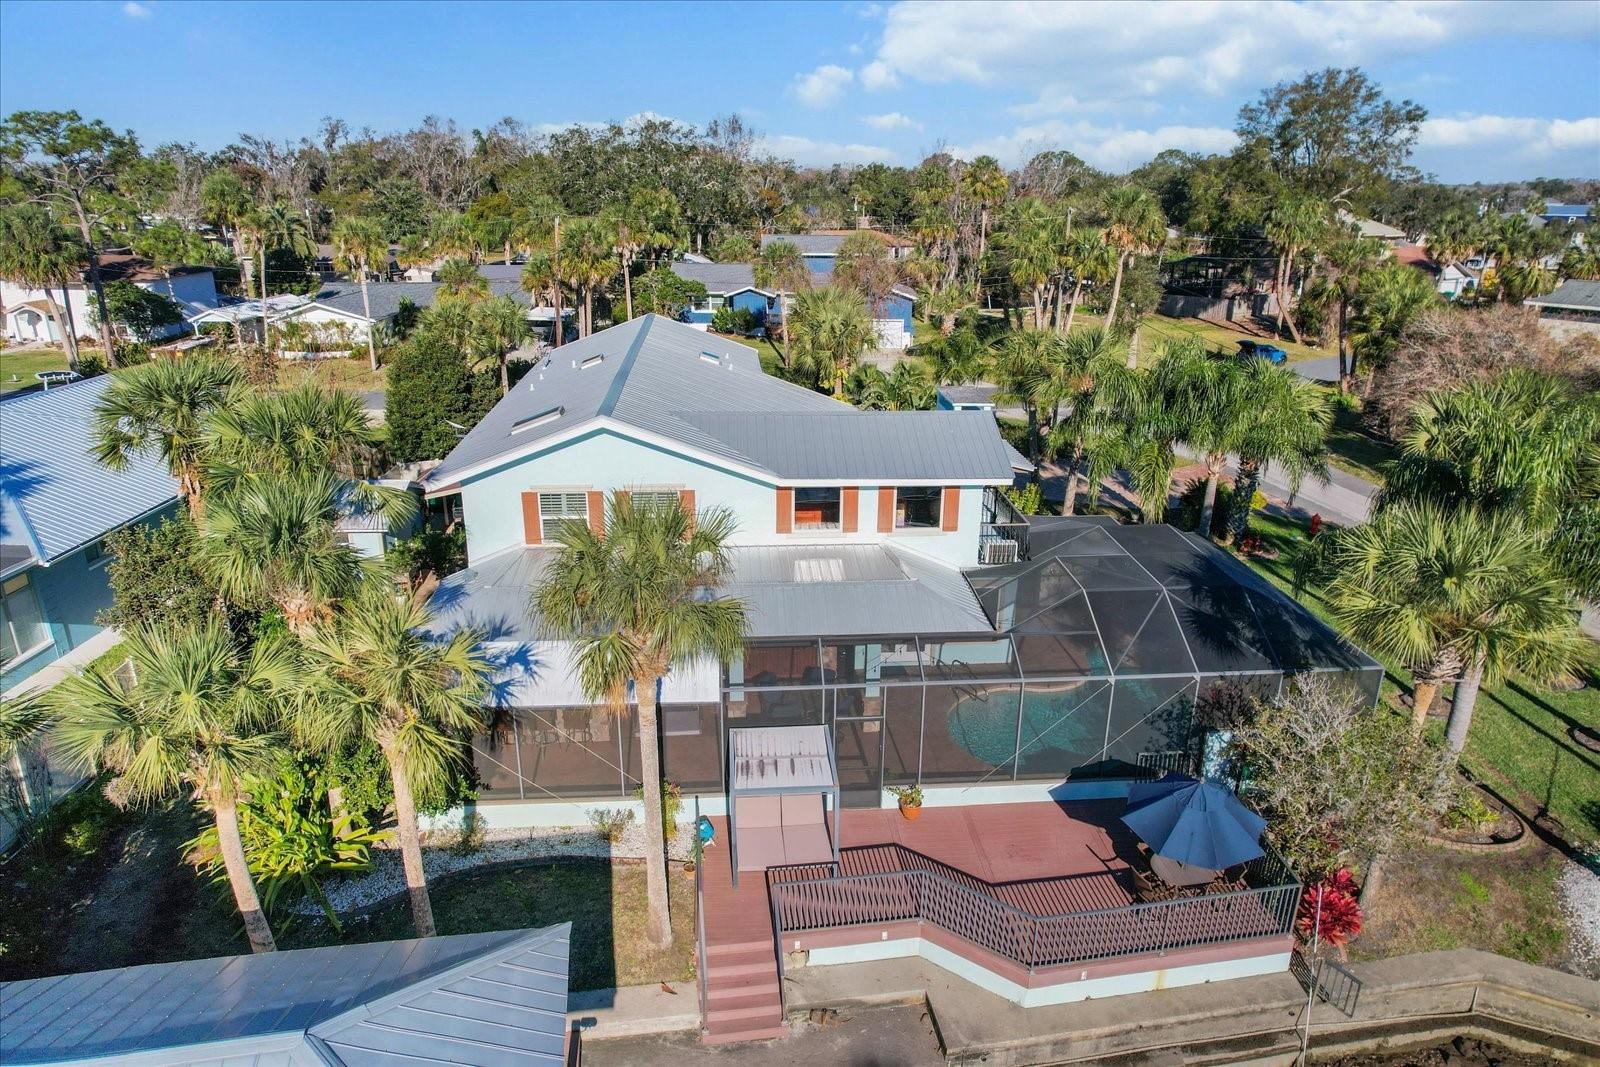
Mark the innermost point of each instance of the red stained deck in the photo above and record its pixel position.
(1044, 859)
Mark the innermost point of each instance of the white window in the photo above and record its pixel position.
(654, 498)
(23, 630)
(715, 302)
(557, 508)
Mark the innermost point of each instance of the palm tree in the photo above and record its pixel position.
(1071, 388)
(1389, 299)
(272, 539)
(537, 231)
(1020, 361)
(499, 326)
(1292, 224)
(1285, 420)
(1447, 591)
(636, 601)
(944, 305)
(375, 674)
(458, 279)
(1522, 443)
(20, 720)
(411, 252)
(1032, 252)
(985, 184)
(38, 252)
(1135, 226)
(1582, 263)
(831, 328)
(451, 235)
(540, 279)
(199, 718)
(361, 244)
(1091, 259)
(584, 260)
(164, 406)
(273, 227)
(226, 201)
(1349, 261)
(780, 268)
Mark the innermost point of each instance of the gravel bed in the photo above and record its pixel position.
(1579, 891)
(441, 855)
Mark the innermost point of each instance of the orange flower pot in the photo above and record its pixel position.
(911, 811)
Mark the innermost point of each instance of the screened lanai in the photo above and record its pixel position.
(1106, 640)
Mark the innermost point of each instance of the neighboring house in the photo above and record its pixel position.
(370, 534)
(57, 503)
(1372, 228)
(338, 313)
(484, 1000)
(1569, 213)
(905, 628)
(1451, 280)
(1572, 308)
(820, 248)
(733, 285)
(27, 316)
(977, 397)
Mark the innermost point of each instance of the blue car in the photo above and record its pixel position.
(1262, 350)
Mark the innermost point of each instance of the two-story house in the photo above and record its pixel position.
(906, 629)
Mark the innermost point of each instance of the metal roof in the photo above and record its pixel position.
(493, 999)
(1573, 294)
(718, 278)
(768, 758)
(385, 297)
(979, 393)
(665, 379)
(61, 497)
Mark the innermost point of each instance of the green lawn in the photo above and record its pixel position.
(771, 355)
(1520, 741)
(351, 374)
(1354, 450)
(1222, 337)
(17, 369)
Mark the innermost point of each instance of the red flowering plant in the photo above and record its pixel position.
(1340, 918)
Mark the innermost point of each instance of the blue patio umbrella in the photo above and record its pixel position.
(1196, 823)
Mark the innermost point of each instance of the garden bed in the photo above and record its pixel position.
(1503, 830)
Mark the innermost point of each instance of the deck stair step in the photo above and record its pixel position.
(714, 1035)
(763, 1011)
(740, 948)
(717, 993)
(741, 969)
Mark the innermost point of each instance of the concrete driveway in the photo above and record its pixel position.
(1323, 369)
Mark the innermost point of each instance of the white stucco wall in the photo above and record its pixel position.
(605, 460)
(194, 292)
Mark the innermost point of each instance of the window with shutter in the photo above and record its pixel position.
(654, 498)
(557, 508)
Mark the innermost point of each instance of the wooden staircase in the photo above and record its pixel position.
(743, 1002)
(743, 998)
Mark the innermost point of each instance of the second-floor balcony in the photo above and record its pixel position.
(1003, 537)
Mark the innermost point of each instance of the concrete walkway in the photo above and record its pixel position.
(1324, 369)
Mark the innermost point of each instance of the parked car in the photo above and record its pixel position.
(1270, 353)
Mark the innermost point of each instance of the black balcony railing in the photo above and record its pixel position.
(1003, 537)
(905, 886)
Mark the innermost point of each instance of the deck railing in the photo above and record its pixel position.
(907, 887)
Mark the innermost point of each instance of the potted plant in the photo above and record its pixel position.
(910, 801)
(696, 847)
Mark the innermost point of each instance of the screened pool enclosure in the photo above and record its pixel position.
(1107, 641)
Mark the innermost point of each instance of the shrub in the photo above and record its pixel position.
(1029, 499)
(1187, 514)
(611, 823)
(1330, 910)
(1469, 812)
(722, 319)
(153, 577)
(671, 804)
(469, 839)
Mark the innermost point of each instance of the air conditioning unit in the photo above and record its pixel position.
(999, 550)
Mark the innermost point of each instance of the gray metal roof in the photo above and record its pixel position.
(669, 380)
(1574, 294)
(788, 591)
(718, 278)
(60, 496)
(386, 297)
(494, 999)
(945, 446)
(809, 244)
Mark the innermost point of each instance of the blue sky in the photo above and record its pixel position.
(1512, 89)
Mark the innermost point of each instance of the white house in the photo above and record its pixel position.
(27, 316)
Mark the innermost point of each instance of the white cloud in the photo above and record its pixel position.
(823, 86)
(1126, 50)
(807, 152)
(1107, 147)
(879, 75)
(1531, 137)
(135, 10)
(891, 121)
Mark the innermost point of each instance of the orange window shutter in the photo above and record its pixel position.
(886, 509)
(950, 508)
(785, 510)
(597, 512)
(687, 496)
(850, 509)
(531, 532)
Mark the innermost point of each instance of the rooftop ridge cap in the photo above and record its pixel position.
(620, 380)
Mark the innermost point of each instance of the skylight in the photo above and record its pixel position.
(550, 415)
(592, 361)
(711, 357)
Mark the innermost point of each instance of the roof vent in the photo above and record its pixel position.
(591, 361)
(711, 357)
(549, 415)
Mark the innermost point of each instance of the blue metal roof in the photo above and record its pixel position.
(59, 497)
(497, 999)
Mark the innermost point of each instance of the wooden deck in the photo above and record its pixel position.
(1043, 859)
